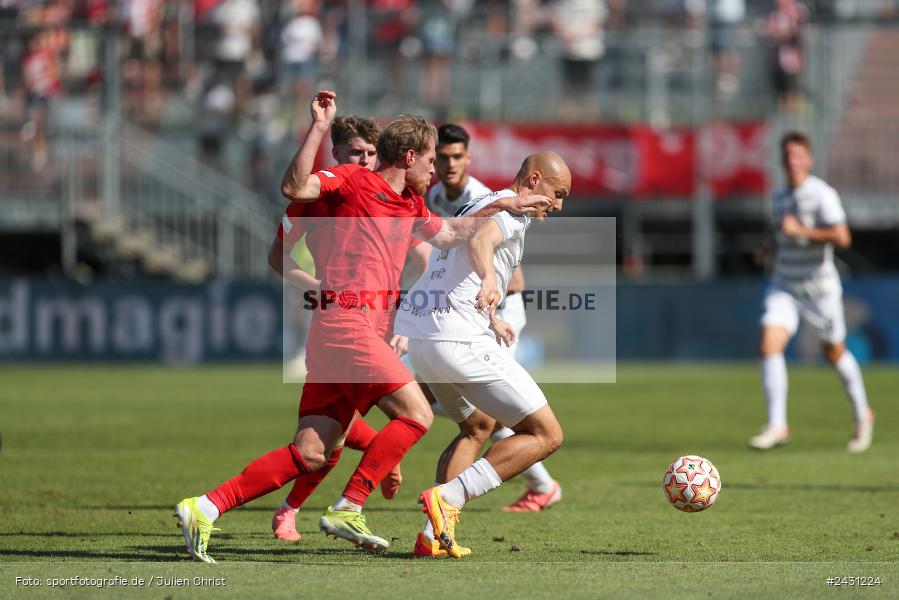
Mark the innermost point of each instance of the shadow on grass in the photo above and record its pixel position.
(292, 551)
(786, 487)
(80, 534)
(618, 553)
(404, 508)
(130, 534)
(171, 554)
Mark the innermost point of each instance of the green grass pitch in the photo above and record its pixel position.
(94, 458)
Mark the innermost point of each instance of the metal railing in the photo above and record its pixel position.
(193, 206)
(145, 199)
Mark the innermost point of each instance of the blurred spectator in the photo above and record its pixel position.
(579, 26)
(143, 70)
(725, 20)
(496, 18)
(684, 24)
(681, 14)
(239, 24)
(527, 16)
(618, 24)
(9, 12)
(849, 9)
(438, 32)
(41, 77)
(784, 26)
(392, 26)
(203, 9)
(301, 39)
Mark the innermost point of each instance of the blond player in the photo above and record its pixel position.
(353, 141)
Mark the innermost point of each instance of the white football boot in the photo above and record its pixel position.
(770, 437)
(862, 433)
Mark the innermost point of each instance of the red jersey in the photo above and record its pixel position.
(293, 226)
(368, 237)
(40, 71)
(305, 219)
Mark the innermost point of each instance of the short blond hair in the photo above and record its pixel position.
(406, 132)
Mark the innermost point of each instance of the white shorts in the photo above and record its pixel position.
(512, 312)
(465, 376)
(824, 313)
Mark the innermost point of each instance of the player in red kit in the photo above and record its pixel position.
(351, 358)
(353, 142)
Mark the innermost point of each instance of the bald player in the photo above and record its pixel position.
(455, 189)
(451, 339)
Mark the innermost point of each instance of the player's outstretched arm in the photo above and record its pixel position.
(838, 235)
(480, 250)
(460, 229)
(278, 259)
(298, 183)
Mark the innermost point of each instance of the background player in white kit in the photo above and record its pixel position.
(455, 190)
(806, 284)
(452, 348)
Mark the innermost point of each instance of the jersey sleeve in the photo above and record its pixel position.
(427, 223)
(292, 227)
(510, 225)
(333, 178)
(831, 212)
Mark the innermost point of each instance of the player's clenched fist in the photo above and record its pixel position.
(324, 107)
(400, 344)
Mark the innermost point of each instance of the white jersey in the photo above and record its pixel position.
(443, 206)
(802, 265)
(441, 304)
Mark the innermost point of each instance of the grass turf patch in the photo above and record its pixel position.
(94, 459)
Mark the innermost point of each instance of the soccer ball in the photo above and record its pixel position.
(692, 483)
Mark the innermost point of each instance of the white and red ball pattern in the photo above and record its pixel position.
(692, 483)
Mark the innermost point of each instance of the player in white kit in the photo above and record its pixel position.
(452, 330)
(455, 190)
(806, 284)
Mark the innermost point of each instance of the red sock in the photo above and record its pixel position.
(266, 474)
(360, 435)
(384, 452)
(305, 484)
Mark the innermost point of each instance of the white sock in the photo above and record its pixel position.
(538, 478)
(851, 374)
(344, 504)
(473, 482)
(286, 505)
(774, 380)
(206, 507)
(429, 529)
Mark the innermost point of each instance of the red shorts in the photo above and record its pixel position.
(340, 401)
(351, 368)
